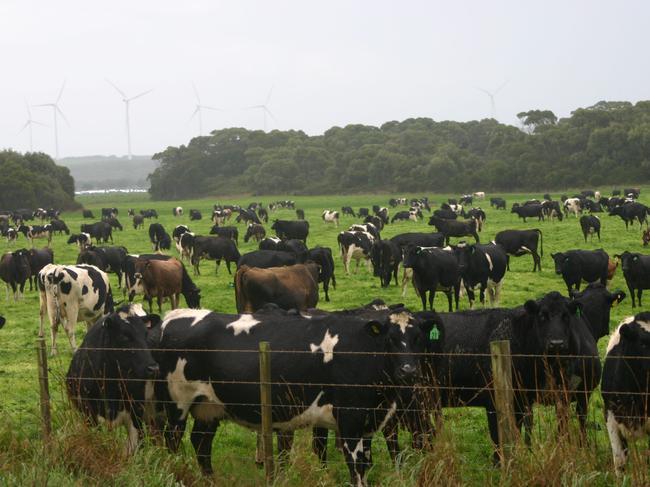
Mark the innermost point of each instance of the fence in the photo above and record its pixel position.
(500, 384)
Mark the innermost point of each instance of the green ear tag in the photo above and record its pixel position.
(578, 312)
(434, 334)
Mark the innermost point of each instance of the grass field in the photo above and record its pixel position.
(462, 453)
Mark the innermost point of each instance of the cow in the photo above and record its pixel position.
(636, 270)
(15, 271)
(631, 211)
(466, 199)
(551, 210)
(323, 257)
(286, 229)
(404, 216)
(159, 238)
(165, 279)
(363, 212)
(381, 213)
(101, 231)
(347, 210)
(12, 235)
(288, 287)
(33, 232)
(59, 226)
(366, 227)
(476, 214)
(385, 256)
(355, 245)
(195, 215)
(452, 228)
(385, 352)
(38, 258)
(107, 259)
(597, 303)
(300, 214)
(269, 243)
(479, 195)
(483, 265)
(433, 269)
(138, 221)
(247, 216)
(226, 232)
(82, 239)
(329, 216)
(632, 192)
(109, 213)
(69, 294)
(498, 203)
(267, 258)
(528, 211)
(177, 234)
(626, 386)
(87, 214)
(445, 213)
(213, 248)
(297, 247)
(577, 265)
(263, 214)
(255, 231)
(108, 375)
(115, 223)
(590, 225)
(433, 239)
(645, 237)
(522, 242)
(177, 211)
(374, 220)
(150, 213)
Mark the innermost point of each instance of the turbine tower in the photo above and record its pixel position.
(127, 101)
(198, 110)
(264, 108)
(491, 95)
(29, 124)
(56, 111)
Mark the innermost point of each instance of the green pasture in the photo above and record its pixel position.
(462, 455)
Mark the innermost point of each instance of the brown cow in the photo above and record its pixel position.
(612, 265)
(160, 278)
(290, 287)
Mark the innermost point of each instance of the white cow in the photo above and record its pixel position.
(357, 246)
(479, 195)
(572, 205)
(73, 293)
(331, 217)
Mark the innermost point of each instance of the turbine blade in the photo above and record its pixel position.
(501, 87)
(29, 112)
(268, 98)
(270, 114)
(141, 94)
(56, 107)
(39, 123)
(196, 110)
(116, 88)
(24, 126)
(44, 105)
(207, 107)
(60, 92)
(254, 107)
(196, 93)
(484, 91)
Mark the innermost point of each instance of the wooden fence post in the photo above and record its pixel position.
(46, 416)
(503, 397)
(265, 406)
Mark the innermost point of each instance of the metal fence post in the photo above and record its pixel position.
(265, 406)
(503, 397)
(46, 416)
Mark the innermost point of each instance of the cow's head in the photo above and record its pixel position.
(634, 341)
(21, 260)
(597, 302)
(193, 297)
(550, 319)
(561, 260)
(464, 253)
(628, 260)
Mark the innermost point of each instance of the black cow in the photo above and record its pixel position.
(267, 258)
(452, 228)
(597, 303)
(255, 231)
(631, 211)
(138, 221)
(108, 259)
(107, 375)
(286, 229)
(226, 232)
(298, 248)
(590, 224)
(403, 216)
(87, 214)
(159, 238)
(483, 265)
(101, 231)
(247, 216)
(59, 226)
(356, 414)
(213, 248)
(263, 214)
(498, 203)
(38, 258)
(528, 211)
(109, 212)
(115, 223)
(636, 270)
(150, 213)
(15, 271)
(446, 213)
(385, 256)
(433, 269)
(195, 215)
(433, 239)
(577, 265)
(363, 212)
(347, 210)
(626, 386)
(522, 242)
(323, 257)
(300, 214)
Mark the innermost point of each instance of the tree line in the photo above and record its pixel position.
(33, 180)
(604, 144)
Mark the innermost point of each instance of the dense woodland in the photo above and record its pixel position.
(605, 144)
(33, 180)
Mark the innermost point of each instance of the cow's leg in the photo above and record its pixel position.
(639, 292)
(319, 443)
(508, 263)
(174, 431)
(618, 443)
(432, 297)
(8, 286)
(632, 294)
(350, 427)
(285, 442)
(482, 293)
(217, 264)
(228, 267)
(53, 330)
(494, 434)
(159, 300)
(537, 261)
(423, 297)
(202, 435)
(406, 277)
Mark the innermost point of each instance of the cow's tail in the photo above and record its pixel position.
(541, 242)
(109, 307)
(330, 262)
(239, 291)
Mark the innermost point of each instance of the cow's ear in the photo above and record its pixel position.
(531, 307)
(631, 333)
(151, 321)
(109, 322)
(617, 297)
(635, 258)
(376, 328)
(575, 308)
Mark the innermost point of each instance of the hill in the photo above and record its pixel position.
(108, 172)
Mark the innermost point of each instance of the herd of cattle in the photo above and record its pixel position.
(156, 371)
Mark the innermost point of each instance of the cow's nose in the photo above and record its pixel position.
(152, 370)
(407, 370)
(556, 346)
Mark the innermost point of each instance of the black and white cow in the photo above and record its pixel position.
(355, 245)
(286, 229)
(255, 231)
(626, 385)
(405, 216)
(522, 242)
(330, 216)
(177, 211)
(551, 210)
(434, 269)
(385, 256)
(446, 213)
(108, 375)
(452, 228)
(631, 211)
(482, 265)
(73, 293)
(636, 270)
(476, 214)
(573, 205)
(149, 213)
(82, 240)
(159, 238)
(576, 266)
(195, 382)
(590, 225)
(269, 243)
(15, 271)
(366, 227)
(374, 220)
(33, 232)
(109, 213)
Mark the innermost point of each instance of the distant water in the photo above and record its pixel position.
(109, 191)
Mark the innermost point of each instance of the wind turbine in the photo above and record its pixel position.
(199, 107)
(56, 111)
(126, 101)
(29, 124)
(264, 108)
(491, 95)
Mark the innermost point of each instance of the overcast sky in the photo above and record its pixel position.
(330, 63)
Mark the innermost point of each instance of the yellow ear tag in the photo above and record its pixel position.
(615, 303)
(375, 329)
